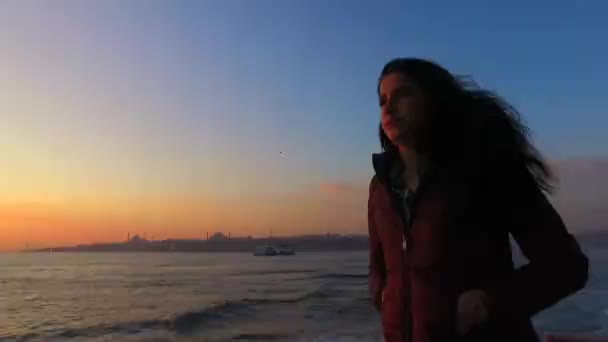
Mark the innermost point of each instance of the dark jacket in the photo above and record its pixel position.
(457, 239)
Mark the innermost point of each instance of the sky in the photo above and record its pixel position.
(178, 118)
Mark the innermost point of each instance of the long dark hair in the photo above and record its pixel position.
(470, 124)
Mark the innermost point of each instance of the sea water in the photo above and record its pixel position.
(221, 297)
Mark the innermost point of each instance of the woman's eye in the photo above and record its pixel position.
(382, 101)
(405, 91)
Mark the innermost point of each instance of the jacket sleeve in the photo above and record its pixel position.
(556, 265)
(377, 271)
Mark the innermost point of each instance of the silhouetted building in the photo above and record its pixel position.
(218, 237)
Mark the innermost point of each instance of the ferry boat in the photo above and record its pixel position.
(273, 251)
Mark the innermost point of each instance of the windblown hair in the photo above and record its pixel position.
(470, 124)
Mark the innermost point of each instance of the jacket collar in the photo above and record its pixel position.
(380, 163)
(389, 170)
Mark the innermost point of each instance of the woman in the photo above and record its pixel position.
(457, 175)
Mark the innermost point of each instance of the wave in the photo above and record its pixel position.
(93, 331)
(186, 323)
(341, 276)
(262, 337)
(271, 272)
(311, 295)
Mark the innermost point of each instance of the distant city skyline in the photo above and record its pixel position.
(219, 242)
(244, 116)
(207, 236)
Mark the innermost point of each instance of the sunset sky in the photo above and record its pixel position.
(169, 117)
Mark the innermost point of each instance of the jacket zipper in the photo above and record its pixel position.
(398, 199)
(408, 307)
(406, 219)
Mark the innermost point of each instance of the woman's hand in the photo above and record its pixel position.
(472, 310)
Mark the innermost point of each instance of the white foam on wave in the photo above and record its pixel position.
(145, 336)
(32, 297)
(341, 338)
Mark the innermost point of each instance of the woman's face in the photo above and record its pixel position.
(403, 110)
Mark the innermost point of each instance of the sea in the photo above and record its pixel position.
(222, 297)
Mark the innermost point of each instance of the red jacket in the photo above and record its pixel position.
(458, 240)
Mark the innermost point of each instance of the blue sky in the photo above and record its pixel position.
(144, 98)
(322, 59)
(313, 66)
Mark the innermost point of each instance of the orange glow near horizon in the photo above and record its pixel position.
(81, 220)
